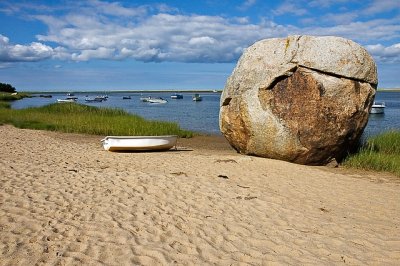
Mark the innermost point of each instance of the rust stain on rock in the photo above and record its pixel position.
(234, 126)
(312, 117)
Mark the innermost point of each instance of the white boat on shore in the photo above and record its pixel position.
(377, 108)
(139, 143)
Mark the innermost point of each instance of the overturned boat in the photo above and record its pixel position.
(139, 143)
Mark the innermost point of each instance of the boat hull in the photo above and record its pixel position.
(139, 143)
(177, 96)
(377, 110)
(157, 101)
(66, 100)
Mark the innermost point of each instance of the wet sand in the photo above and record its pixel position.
(64, 200)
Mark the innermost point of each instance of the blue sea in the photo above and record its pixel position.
(203, 116)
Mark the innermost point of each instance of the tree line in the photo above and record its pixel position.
(4, 87)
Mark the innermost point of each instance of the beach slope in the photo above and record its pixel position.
(64, 200)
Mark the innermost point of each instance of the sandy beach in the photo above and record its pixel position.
(66, 201)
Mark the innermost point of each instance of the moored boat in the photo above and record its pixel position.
(176, 96)
(91, 100)
(145, 99)
(157, 100)
(71, 98)
(197, 98)
(377, 108)
(66, 100)
(101, 98)
(139, 143)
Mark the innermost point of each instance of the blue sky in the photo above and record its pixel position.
(68, 45)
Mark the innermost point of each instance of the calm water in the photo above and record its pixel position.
(203, 116)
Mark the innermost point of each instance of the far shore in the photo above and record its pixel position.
(127, 91)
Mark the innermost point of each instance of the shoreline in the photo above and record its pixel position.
(65, 200)
(161, 91)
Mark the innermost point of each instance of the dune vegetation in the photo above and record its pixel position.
(78, 118)
(6, 97)
(378, 153)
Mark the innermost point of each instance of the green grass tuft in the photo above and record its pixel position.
(379, 153)
(77, 118)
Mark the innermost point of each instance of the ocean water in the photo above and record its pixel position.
(203, 116)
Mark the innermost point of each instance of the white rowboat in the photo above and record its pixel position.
(139, 143)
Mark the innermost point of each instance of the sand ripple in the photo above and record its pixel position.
(63, 200)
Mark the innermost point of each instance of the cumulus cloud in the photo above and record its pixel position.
(116, 9)
(159, 37)
(364, 32)
(290, 7)
(379, 6)
(99, 53)
(110, 31)
(381, 53)
(14, 53)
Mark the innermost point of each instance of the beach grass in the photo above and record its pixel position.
(7, 97)
(78, 118)
(379, 153)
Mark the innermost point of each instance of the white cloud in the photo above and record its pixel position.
(134, 33)
(14, 53)
(363, 32)
(290, 7)
(160, 37)
(204, 40)
(99, 53)
(326, 3)
(247, 4)
(385, 54)
(115, 9)
(379, 6)
(339, 18)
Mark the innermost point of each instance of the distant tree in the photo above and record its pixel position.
(7, 88)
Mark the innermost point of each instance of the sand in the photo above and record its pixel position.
(66, 201)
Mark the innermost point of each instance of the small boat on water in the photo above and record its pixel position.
(377, 108)
(157, 100)
(145, 99)
(126, 97)
(93, 100)
(139, 143)
(197, 98)
(66, 100)
(101, 98)
(176, 96)
(71, 98)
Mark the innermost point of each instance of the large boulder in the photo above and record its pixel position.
(302, 99)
